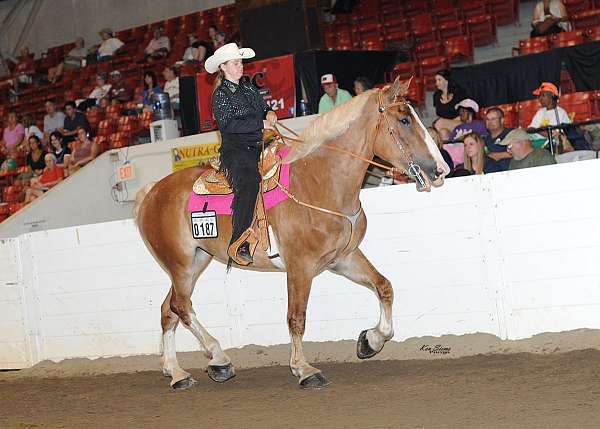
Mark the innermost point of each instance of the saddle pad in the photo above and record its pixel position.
(221, 204)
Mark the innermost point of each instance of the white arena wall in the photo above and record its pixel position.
(510, 254)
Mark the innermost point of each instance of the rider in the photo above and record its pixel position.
(241, 114)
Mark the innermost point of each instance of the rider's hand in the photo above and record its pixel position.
(272, 118)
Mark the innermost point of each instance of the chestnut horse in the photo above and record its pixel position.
(378, 122)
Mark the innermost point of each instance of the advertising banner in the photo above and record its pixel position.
(192, 156)
(274, 78)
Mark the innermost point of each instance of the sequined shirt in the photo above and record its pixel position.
(239, 111)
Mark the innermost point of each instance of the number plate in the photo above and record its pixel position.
(204, 224)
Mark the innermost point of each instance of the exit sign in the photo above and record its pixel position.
(126, 172)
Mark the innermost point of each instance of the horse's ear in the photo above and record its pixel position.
(399, 88)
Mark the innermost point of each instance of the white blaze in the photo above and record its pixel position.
(433, 149)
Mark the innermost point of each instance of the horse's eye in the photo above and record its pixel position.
(405, 121)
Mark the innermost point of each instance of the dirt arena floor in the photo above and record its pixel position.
(551, 388)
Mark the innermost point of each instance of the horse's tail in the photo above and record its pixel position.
(139, 198)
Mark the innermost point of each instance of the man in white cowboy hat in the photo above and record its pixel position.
(467, 109)
(241, 114)
(334, 96)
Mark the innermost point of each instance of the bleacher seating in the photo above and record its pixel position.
(111, 128)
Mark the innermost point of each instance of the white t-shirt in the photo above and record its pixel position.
(172, 88)
(544, 117)
(109, 46)
(33, 130)
(99, 93)
(556, 10)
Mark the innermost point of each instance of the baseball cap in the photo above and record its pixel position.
(328, 78)
(467, 103)
(518, 134)
(546, 86)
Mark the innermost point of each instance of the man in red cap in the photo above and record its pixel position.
(333, 96)
(551, 113)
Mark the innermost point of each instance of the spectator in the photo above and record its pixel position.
(101, 90)
(104, 102)
(83, 153)
(10, 163)
(51, 175)
(494, 122)
(60, 150)
(445, 98)
(172, 85)
(466, 111)
(219, 40)
(14, 132)
(476, 160)
(158, 47)
(440, 144)
(54, 119)
(150, 88)
(362, 84)
(73, 120)
(549, 17)
(35, 157)
(333, 96)
(73, 60)
(110, 45)
(25, 68)
(551, 113)
(30, 128)
(212, 34)
(197, 50)
(524, 155)
(119, 90)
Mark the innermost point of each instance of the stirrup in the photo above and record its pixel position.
(243, 253)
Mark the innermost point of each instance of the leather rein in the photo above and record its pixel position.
(413, 170)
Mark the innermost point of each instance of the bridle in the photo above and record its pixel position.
(413, 169)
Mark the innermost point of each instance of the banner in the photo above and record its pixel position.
(192, 156)
(274, 78)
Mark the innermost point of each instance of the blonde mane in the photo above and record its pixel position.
(329, 126)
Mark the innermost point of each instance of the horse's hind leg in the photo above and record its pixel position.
(180, 304)
(356, 267)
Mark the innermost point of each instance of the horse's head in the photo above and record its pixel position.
(403, 140)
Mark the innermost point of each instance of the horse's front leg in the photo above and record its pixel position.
(299, 284)
(356, 267)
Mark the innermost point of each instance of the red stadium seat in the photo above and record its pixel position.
(422, 27)
(458, 49)
(472, 8)
(446, 13)
(451, 29)
(428, 49)
(533, 45)
(527, 110)
(593, 34)
(482, 29)
(586, 19)
(416, 7)
(505, 12)
(403, 71)
(579, 104)
(566, 82)
(416, 92)
(577, 6)
(566, 39)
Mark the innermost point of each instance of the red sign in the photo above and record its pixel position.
(274, 78)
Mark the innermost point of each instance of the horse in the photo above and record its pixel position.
(319, 228)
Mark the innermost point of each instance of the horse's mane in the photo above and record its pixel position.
(329, 126)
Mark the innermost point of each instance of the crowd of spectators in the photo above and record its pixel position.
(46, 153)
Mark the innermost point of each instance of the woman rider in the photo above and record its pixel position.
(241, 114)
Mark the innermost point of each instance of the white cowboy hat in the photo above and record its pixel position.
(225, 53)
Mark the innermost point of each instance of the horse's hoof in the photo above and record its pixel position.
(221, 373)
(184, 384)
(363, 349)
(315, 381)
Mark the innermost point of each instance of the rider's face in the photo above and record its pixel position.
(233, 69)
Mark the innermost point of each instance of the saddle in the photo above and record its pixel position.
(214, 182)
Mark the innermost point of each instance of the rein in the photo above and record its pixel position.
(413, 168)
